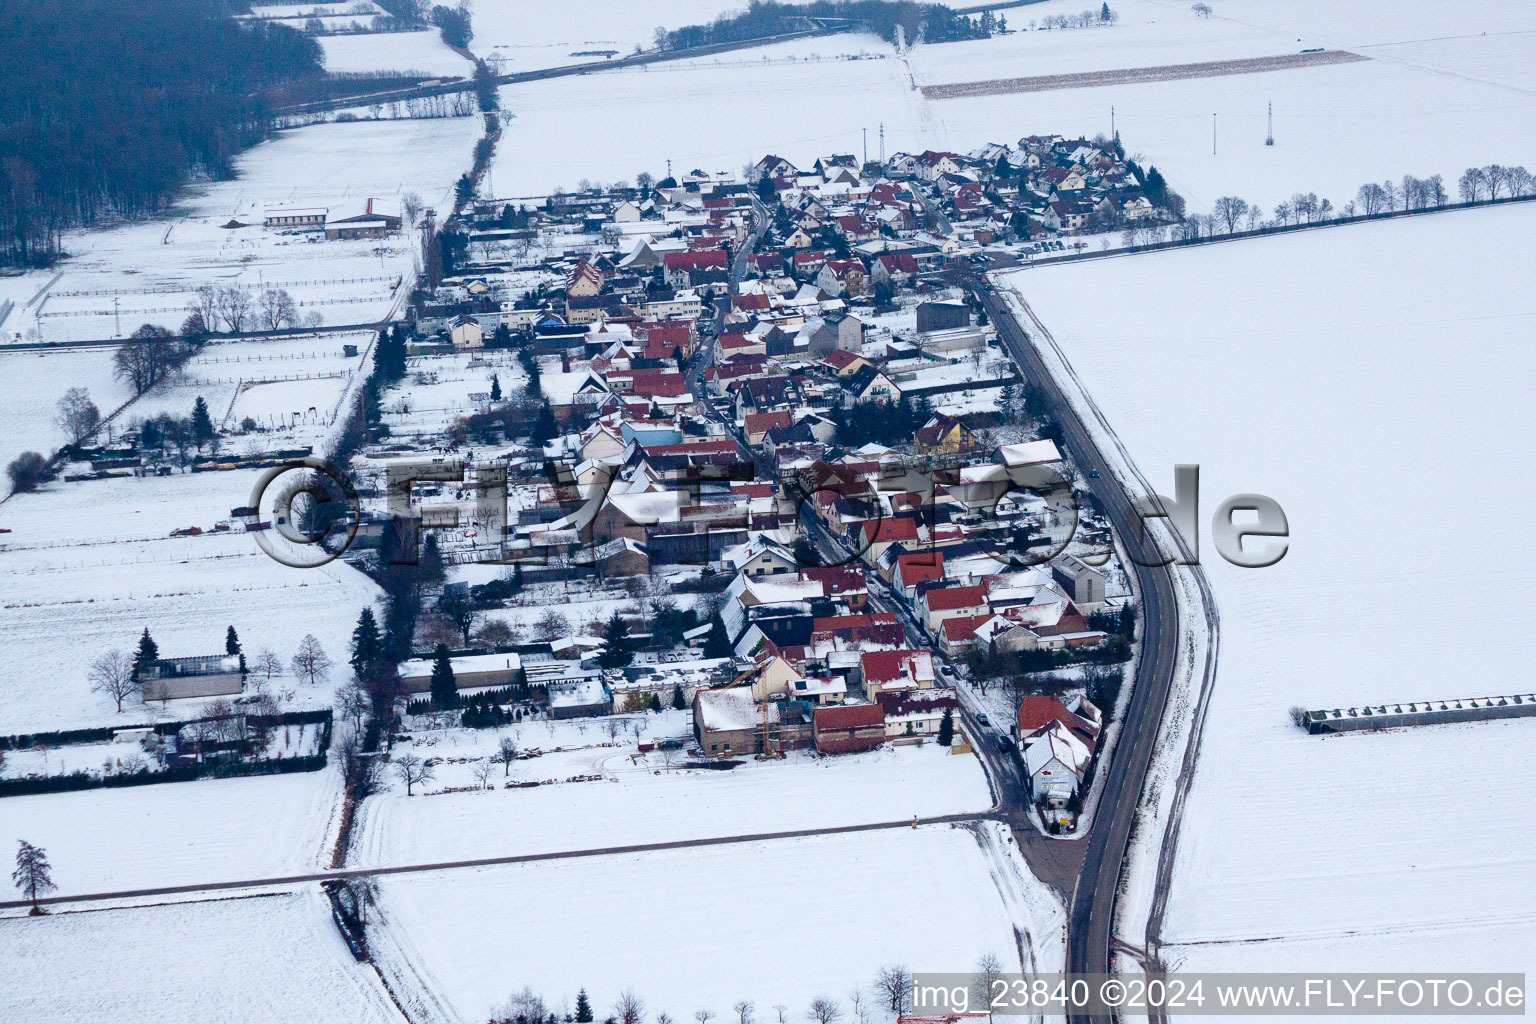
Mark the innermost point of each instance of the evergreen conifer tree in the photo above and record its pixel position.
(445, 689)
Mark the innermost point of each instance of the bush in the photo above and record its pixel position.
(26, 471)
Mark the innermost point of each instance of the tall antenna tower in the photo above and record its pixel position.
(1269, 140)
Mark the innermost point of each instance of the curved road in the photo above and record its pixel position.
(1092, 913)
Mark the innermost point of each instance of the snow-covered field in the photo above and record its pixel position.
(1437, 96)
(274, 958)
(151, 268)
(88, 565)
(805, 99)
(545, 35)
(393, 51)
(179, 833)
(292, 387)
(1422, 105)
(644, 801)
(34, 383)
(1375, 381)
(774, 922)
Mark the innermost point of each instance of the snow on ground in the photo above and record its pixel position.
(530, 37)
(34, 383)
(151, 268)
(292, 387)
(1425, 107)
(179, 833)
(645, 801)
(423, 52)
(436, 391)
(93, 561)
(226, 959)
(933, 898)
(785, 87)
(1355, 375)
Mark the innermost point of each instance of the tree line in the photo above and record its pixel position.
(932, 23)
(107, 108)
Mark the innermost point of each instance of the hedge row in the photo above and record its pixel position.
(181, 773)
(103, 734)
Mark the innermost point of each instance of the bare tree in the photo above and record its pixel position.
(412, 770)
(743, 1011)
(482, 769)
(551, 626)
(1372, 198)
(1230, 210)
(410, 205)
(1201, 10)
(268, 663)
(496, 633)
(780, 1009)
(1521, 183)
(353, 702)
(362, 892)
(361, 770)
(277, 309)
(1472, 184)
(311, 663)
(703, 1016)
(204, 304)
(1297, 715)
(860, 1005)
(32, 875)
(1497, 177)
(895, 983)
(989, 970)
(455, 604)
(76, 414)
(630, 1008)
(824, 1010)
(506, 753)
(112, 674)
(234, 305)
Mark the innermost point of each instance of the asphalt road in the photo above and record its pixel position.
(527, 858)
(1092, 912)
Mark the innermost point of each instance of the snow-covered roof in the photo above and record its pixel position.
(733, 710)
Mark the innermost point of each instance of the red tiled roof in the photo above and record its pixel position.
(701, 260)
(849, 716)
(956, 597)
(884, 666)
(881, 531)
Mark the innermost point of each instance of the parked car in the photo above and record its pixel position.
(983, 719)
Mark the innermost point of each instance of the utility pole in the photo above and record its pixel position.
(117, 323)
(866, 145)
(1112, 135)
(1213, 135)
(1269, 139)
(882, 143)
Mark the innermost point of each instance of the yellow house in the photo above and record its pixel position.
(773, 677)
(945, 437)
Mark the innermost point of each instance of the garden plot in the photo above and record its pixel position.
(93, 561)
(437, 390)
(630, 799)
(179, 833)
(529, 37)
(420, 52)
(275, 958)
(1393, 359)
(654, 923)
(119, 278)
